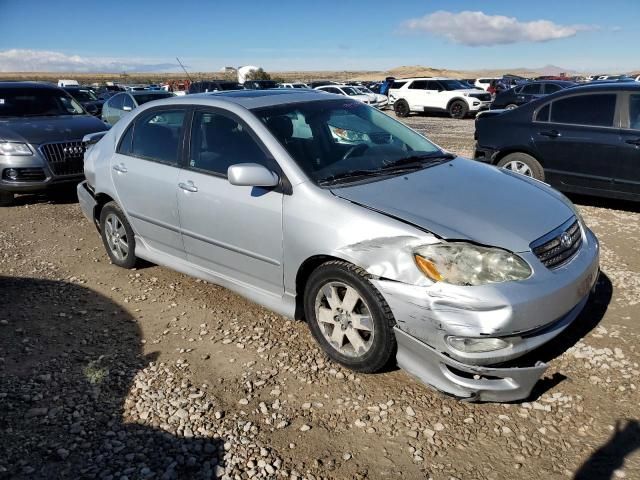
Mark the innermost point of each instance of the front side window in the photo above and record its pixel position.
(219, 141)
(37, 102)
(595, 110)
(634, 112)
(452, 85)
(334, 138)
(157, 135)
(117, 101)
(543, 113)
(532, 89)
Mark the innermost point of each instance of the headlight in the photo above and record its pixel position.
(10, 148)
(466, 264)
(476, 345)
(348, 135)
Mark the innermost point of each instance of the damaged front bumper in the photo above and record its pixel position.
(471, 383)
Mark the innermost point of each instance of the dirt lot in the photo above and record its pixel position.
(115, 374)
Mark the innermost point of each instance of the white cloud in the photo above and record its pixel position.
(479, 29)
(22, 60)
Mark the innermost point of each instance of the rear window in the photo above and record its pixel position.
(595, 110)
(140, 99)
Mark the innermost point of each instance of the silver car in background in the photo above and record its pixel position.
(322, 208)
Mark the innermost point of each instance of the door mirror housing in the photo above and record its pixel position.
(251, 175)
(126, 108)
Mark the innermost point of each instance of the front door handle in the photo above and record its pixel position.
(121, 168)
(551, 133)
(189, 186)
(634, 141)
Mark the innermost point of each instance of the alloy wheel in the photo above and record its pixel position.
(116, 237)
(344, 319)
(519, 167)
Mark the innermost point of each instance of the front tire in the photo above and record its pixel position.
(6, 199)
(523, 164)
(348, 317)
(401, 108)
(458, 109)
(117, 236)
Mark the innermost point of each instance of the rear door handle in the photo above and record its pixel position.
(120, 168)
(635, 141)
(551, 133)
(189, 186)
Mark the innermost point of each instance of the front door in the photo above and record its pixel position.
(234, 232)
(145, 173)
(578, 144)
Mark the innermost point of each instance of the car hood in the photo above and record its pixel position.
(467, 200)
(39, 130)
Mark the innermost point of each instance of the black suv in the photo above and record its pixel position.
(41, 131)
(517, 96)
(581, 139)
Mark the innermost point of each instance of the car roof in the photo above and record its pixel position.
(147, 92)
(614, 86)
(251, 98)
(27, 84)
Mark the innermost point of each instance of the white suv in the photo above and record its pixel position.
(437, 95)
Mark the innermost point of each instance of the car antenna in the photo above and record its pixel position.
(185, 70)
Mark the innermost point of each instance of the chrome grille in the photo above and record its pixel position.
(559, 246)
(65, 158)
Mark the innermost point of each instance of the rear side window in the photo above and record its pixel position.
(634, 112)
(433, 85)
(551, 88)
(157, 136)
(595, 110)
(418, 85)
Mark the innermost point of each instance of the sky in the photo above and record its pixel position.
(285, 35)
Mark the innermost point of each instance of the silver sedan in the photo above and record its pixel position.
(322, 208)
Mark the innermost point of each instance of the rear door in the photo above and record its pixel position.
(145, 173)
(415, 94)
(578, 141)
(627, 177)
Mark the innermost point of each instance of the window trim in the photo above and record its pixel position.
(221, 111)
(616, 112)
(132, 124)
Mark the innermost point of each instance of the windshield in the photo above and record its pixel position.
(453, 85)
(140, 99)
(36, 102)
(350, 91)
(364, 90)
(334, 138)
(83, 95)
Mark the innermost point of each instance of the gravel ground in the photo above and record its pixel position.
(114, 374)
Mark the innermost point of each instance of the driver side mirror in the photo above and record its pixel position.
(126, 108)
(251, 175)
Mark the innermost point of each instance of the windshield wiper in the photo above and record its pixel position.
(350, 174)
(418, 161)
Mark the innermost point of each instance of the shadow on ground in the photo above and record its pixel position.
(68, 357)
(602, 464)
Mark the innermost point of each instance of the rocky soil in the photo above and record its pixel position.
(114, 374)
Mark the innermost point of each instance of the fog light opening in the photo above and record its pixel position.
(11, 173)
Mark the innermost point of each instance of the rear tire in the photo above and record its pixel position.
(6, 199)
(523, 164)
(458, 109)
(117, 236)
(348, 317)
(401, 108)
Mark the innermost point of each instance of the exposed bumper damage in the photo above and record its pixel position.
(525, 314)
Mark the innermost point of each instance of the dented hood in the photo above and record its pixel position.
(466, 200)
